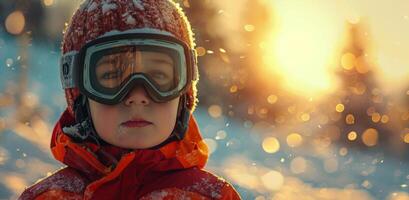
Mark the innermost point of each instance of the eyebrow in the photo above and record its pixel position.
(159, 60)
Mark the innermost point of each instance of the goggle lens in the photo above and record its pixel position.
(114, 67)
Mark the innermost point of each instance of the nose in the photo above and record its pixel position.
(137, 96)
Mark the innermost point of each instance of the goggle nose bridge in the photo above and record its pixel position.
(139, 79)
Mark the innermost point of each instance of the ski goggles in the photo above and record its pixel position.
(108, 68)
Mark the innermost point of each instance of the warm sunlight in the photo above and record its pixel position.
(311, 51)
(304, 46)
(308, 34)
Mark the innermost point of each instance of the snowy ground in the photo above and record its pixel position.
(305, 172)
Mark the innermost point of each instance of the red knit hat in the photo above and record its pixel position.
(95, 18)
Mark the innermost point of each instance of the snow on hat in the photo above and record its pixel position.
(95, 18)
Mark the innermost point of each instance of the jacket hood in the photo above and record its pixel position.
(107, 161)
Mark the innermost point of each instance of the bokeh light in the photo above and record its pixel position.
(298, 165)
(15, 22)
(222, 50)
(271, 145)
(211, 144)
(201, 51)
(233, 89)
(361, 66)
(343, 151)
(406, 138)
(294, 140)
(350, 119)
(273, 180)
(9, 62)
(220, 135)
(352, 136)
(366, 184)
(376, 117)
(370, 137)
(340, 108)
(48, 2)
(348, 61)
(305, 117)
(215, 111)
(249, 27)
(272, 99)
(385, 119)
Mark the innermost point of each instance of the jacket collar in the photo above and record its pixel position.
(99, 161)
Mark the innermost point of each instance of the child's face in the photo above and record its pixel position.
(137, 122)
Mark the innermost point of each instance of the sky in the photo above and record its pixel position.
(312, 30)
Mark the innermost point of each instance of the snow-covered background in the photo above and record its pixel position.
(261, 156)
(237, 152)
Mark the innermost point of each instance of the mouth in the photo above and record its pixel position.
(136, 123)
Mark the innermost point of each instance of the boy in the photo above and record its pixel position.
(129, 72)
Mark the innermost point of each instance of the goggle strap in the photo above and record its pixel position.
(67, 70)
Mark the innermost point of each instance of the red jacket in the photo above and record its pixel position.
(175, 171)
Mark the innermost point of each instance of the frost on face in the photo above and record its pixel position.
(207, 187)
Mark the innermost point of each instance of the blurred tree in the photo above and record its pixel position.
(363, 106)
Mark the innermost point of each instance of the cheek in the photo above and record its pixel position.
(167, 114)
(103, 118)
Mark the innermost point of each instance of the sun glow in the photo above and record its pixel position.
(310, 34)
(304, 47)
